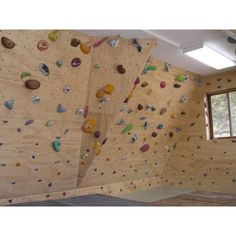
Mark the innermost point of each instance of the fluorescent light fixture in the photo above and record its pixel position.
(209, 57)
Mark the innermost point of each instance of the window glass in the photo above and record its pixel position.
(233, 112)
(220, 117)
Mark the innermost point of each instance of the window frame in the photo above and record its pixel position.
(210, 120)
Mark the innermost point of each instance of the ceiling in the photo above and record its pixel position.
(172, 42)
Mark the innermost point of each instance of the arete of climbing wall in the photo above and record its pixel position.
(44, 79)
(197, 162)
(144, 132)
(116, 64)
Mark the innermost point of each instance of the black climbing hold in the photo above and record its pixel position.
(231, 40)
(32, 84)
(76, 62)
(154, 134)
(75, 42)
(177, 85)
(121, 69)
(44, 69)
(7, 43)
(140, 107)
(28, 122)
(144, 84)
(97, 134)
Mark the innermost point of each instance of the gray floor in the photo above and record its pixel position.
(89, 200)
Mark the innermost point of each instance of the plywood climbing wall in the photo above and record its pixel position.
(154, 110)
(196, 162)
(105, 62)
(28, 162)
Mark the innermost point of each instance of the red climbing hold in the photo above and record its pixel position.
(145, 147)
(163, 84)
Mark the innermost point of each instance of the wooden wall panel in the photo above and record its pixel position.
(199, 163)
(28, 163)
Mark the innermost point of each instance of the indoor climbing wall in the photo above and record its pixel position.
(197, 162)
(116, 63)
(44, 79)
(144, 132)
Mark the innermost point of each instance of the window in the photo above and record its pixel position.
(222, 114)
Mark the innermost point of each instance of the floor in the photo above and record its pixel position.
(155, 197)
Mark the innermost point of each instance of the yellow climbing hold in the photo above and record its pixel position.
(98, 148)
(54, 36)
(108, 89)
(85, 48)
(89, 125)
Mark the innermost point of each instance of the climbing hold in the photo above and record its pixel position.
(163, 110)
(66, 88)
(49, 123)
(36, 100)
(134, 138)
(107, 89)
(104, 141)
(145, 147)
(100, 42)
(129, 96)
(198, 81)
(97, 134)
(144, 84)
(154, 134)
(79, 111)
(84, 156)
(127, 128)
(183, 113)
(231, 40)
(75, 42)
(168, 67)
(143, 118)
(44, 69)
(9, 104)
(97, 148)
(121, 69)
(57, 145)
(177, 85)
(7, 43)
(153, 108)
(148, 68)
(42, 45)
(140, 107)
(86, 111)
(85, 48)
(28, 122)
(59, 63)
(76, 62)
(25, 74)
(130, 110)
(97, 66)
(54, 36)
(181, 78)
(178, 129)
(114, 43)
(137, 44)
(60, 108)
(171, 134)
(160, 126)
(32, 84)
(89, 125)
(121, 122)
(163, 84)
(104, 100)
(173, 116)
(137, 81)
(183, 99)
(146, 125)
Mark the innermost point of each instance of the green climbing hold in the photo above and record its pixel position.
(152, 68)
(181, 78)
(25, 74)
(97, 66)
(54, 36)
(127, 128)
(57, 145)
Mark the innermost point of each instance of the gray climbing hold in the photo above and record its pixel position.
(44, 69)
(143, 118)
(130, 110)
(9, 104)
(160, 126)
(231, 40)
(168, 67)
(137, 44)
(79, 112)
(163, 111)
(183, 99)
(146, 125)
(121, 122)
(60, 108)
(114, 43)
(36, 100)
(66, 88)
(134, 138)
(59, 63)
(104, 100)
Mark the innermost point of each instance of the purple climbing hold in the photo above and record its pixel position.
(86, 110)
(145, 147)
(76, 62)
(137, 81)
(28, 122)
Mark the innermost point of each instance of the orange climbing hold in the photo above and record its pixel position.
(89, 125)
(108, 89)
(85, 48)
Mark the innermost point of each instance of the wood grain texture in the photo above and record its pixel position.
(197, 162)
(28, 163)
